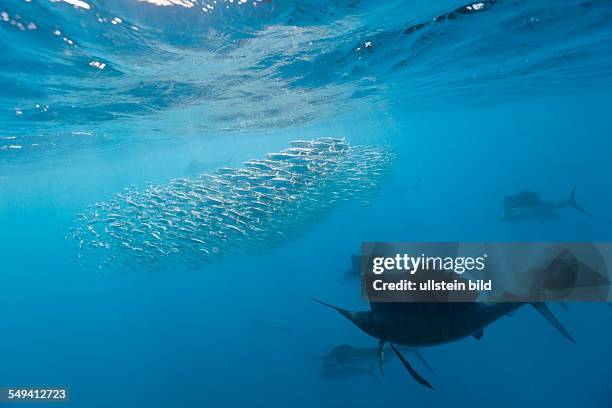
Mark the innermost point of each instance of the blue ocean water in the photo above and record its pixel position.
(475, 103)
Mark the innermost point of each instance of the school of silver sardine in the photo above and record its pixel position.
(232, 211)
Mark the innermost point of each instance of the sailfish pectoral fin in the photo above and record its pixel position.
(381, 355)
(411, 370)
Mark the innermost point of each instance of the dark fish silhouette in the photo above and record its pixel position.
(346, 354)
(528, 205)
(429, 324)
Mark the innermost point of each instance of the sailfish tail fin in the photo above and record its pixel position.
(548, 315)
(571, 201)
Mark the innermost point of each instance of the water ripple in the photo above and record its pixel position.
(238, 65)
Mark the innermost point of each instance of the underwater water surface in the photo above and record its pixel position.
(444, 108)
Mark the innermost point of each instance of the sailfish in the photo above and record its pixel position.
(430, 324)
(528, 205)
(422, 324)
